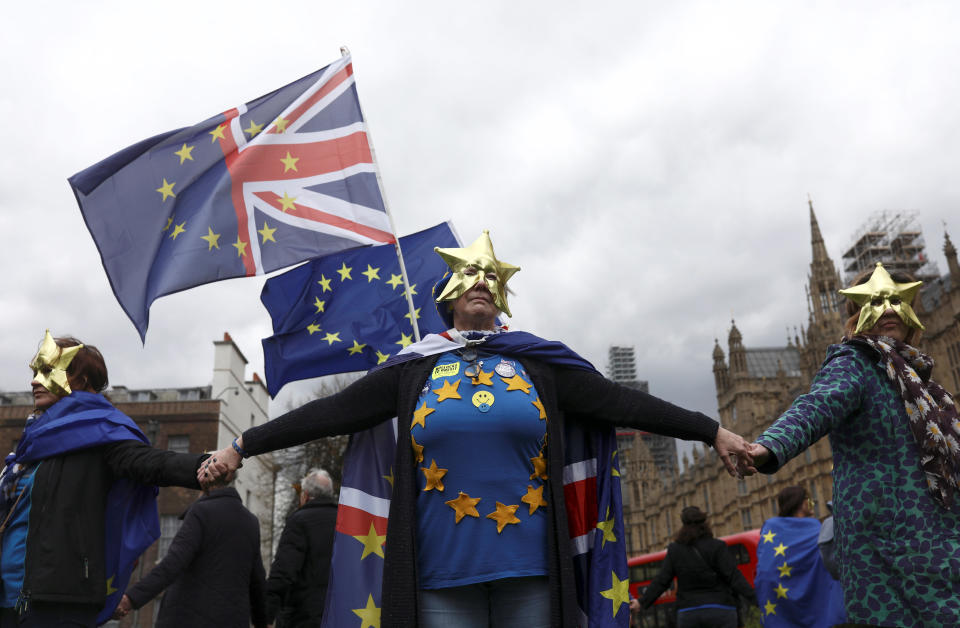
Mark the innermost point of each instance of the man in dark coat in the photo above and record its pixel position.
(298, 576)
(213, 572)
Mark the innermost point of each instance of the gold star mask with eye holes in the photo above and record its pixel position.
(881, 293)
(474, 264)
(50, 364)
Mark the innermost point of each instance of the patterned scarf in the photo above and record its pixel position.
(931, 410)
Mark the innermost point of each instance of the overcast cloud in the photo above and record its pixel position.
(646, 163)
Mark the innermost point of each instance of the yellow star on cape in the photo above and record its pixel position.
(483, 378)
(110, 588)
(389, 478)
(184, 153)
(332, 338)
(286, 202)
(372, 542)
(178, 229)
(356, 348)
(420, 414)
(344, 271)
(606, 527)
(880, 293)
(770, 607)
(779, 550)
(784, 570)
(614, 471)
(169, 222)
(282, 124)
(618, 593)
(405, 339)
(768, 537)
(464, 505)
(395, 280)
(781, 590)
(539, 467)
(213, 239)
(241, 247)
(516, 383)
(371, 273)
(253, 129)
(325, 283)
(320, 305)
(217, 133)
(267, 233)
(417, 449)
(416, 313)
(370, 614)
(382, 357)
(167, 190)
(503, 515)
(289, 162)
(434, 477)
(313, 328)
(447, 391)
(539, 406)
(534, 498)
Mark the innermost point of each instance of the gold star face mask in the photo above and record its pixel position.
(50, 364)
(882, 293)
(474, 264)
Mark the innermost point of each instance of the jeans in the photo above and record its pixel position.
(707, 618)
(504, 603)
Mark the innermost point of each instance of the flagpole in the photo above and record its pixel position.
(386, 206)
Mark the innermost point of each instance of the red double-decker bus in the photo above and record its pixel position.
(743, 547)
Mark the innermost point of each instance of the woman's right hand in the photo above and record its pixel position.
(220, 464)
(760, 455)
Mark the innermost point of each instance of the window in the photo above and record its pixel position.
(190, 395)
(807, 457)
(741, 487)
(706, 500)
(169, 525)
(669, 526)
(179, 443)
(745, 518)
(733, 414)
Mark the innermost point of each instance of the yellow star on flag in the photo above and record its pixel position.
(320, 305)
(420, 414)
(217, 133)
(325, 283)
(768, 537)
(282, 124)
(344, 271)
(184, 153)
(371, 273)
(416, 313)
(382, 357)
(413, 290)
(177, 230)
(395, 280)
(389, 478)
(356, 348)
(169, 222)
(253, 129)
(213, 239)
(267, 233)
(289, 162)
(447, 391)
(785, 570)
(110, 588)
(464, 505)
(313, 328)
(503, 515)
(614, 471)
(405, 339)
(332, 338)
(781, 590)
(434, 477)
(241, 247)
(779, 550)
(606, 527)
(483, 378)
(770, 607)
(286, 202)
(539, 406)
(417, 449)
(370, 614)
(618, 593)
(516, 383)
(539, 467)
(372, 542)
(534, 498)
(167, 190)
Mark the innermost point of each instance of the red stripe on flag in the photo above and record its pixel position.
(581, 498)
(327, 87)
(230, 155)
(356, 522)
(265, 162)
(317, 215)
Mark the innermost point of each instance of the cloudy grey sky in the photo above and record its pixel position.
(646, 163)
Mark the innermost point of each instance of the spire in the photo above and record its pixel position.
(950, 252)
(816, 240)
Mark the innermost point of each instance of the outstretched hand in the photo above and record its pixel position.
(220, 464)
(123, 608)
(760, 456)
(734, 452)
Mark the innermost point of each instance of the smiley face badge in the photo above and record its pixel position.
(482, 400)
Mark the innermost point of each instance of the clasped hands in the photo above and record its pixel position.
(738, 456)
(220, 464)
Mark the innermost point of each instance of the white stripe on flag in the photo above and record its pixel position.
(579, 471)
(583, 543)
(376, 506)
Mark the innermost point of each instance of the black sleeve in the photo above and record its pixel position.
(291, 551)
(156, 467)
(361, 405)
(183, 549)
(590, 394)
(258, 605)
(659, 584)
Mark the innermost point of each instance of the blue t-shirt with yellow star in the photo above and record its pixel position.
(479, 436)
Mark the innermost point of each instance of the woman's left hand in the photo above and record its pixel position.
(734, 452)
(220, 464)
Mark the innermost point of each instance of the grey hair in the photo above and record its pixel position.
(317, 482)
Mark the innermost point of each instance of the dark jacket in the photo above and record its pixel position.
(566, 394)
(213, 572)
(711, 577)
(301, 567)
(64, 559)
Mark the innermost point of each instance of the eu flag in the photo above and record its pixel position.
(281, 179)
(793, 587)
(347, 311)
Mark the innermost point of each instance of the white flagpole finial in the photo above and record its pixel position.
(344, 51)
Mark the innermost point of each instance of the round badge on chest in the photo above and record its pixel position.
(505, 369)
(482, 400)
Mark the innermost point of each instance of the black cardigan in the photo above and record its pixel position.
(584, 396)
